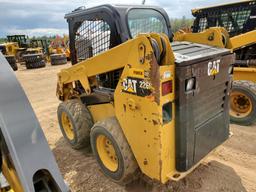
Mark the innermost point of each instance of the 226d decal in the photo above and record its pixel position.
(136, 86)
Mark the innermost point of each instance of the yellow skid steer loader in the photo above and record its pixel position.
(143, 103)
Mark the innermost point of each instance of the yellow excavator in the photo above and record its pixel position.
(26, 161)
(239, 35)
(142, 102)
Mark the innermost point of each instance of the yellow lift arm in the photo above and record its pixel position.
(242, 40)
(218, 37)
(85, 71)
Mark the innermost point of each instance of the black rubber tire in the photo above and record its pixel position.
(81, 120)
(248, 88)
(57, 56)
(33, 58)
(58, 59)
(127, 166)
(12, 62)
(19, 56)
(35, 65)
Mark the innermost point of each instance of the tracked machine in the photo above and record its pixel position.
(239, 34)
(144, 104)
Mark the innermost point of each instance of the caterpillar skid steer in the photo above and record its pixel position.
(239, 21)
(26, 162)
(142, 103)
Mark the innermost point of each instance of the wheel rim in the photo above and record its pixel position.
(67, 126)
(107, 153)
(240, 104)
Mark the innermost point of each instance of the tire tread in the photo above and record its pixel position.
(249, 87)
(82, 120)
(130, 165)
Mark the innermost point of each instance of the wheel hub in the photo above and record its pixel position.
(107, 153)
(240, 105)
(67, 126)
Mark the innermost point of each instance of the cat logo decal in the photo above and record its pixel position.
(213, 67)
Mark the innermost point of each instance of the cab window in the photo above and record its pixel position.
(146, 21)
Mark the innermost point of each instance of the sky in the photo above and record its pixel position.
(46, 17)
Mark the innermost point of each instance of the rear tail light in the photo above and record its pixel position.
(166, 88)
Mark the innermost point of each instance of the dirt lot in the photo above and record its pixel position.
(231, 168)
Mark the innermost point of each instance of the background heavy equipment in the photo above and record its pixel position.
(26, 161)
(25, 46)
(33, 54)
(239, 19)
(59, 50)
(58, 59)
(21, 45)
(143, 104)
(43, 43)
(37, 54)
(11, 50)
(21, 48)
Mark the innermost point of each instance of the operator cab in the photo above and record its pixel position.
(237, 18)
(22, 40)
(95, 30)
(100, 28)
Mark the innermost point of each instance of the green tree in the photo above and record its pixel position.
(182, 23)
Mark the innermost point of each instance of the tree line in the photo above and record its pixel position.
(182, 23)
(176, 23)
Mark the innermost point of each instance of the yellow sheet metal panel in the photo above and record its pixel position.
(138, 99)
(140, 114)
(242, 40)
(244, 73)
(105, 62)
(101, 111)
(213, 36)
(11, 48)
(167, 131)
